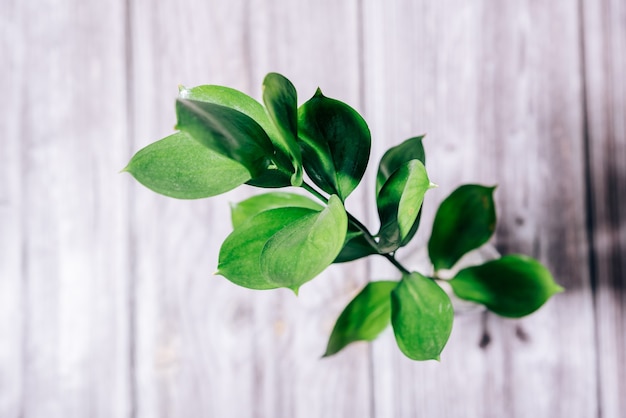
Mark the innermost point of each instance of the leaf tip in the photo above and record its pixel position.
(433, 185)
(318, 93)
(183, 92)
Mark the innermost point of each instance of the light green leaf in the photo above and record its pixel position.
(411, 149)
(303, 249)
(283, 247)
(232, 134)
(421, 316)
(512, 286)
(178, 166)
(366, 316)
(335, 142)
(240, 254)
(399, 202)
(281, 101)
(464, 221)
(242, 211)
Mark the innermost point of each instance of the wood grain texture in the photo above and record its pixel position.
(63, 213)
(204, 346)
(11, 220)
(498, 89)
(108, 307)
(605, 64)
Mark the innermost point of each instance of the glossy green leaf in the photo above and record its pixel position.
(303, 249)
(421, 316)
(233, 99)
(512, 286)
(240, 254)
(365, 317)
(464, 221)
(411, 149)
(281, 101)
(399, 202)
(355, 247)
(335, 142)
(177, 166)
(244, 210)
(227, 132)
(283, 247)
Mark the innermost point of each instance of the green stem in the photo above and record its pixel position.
(314, 192)
(397, 264)
(362, 228)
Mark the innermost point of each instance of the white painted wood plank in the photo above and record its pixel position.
(204, 346)
(11, 288)
(67, 125)
(604, 28)
(498, 89)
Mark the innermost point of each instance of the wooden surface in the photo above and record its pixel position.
(108, 305)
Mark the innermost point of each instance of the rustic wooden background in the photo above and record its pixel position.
(107, 303)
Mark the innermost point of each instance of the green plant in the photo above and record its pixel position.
(284, 239)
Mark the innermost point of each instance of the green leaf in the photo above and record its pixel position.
(512, 286)
(411, 149)
(281, 101)
(230, 133)
(233, 99)
(366, 316)
(245, 104)
(399, 202)
(464, 221)
(284, 247)
(335, 142)
(177, 166)
(421, 316)
(355, 247)
(240, 254)
(303, 249)
(244, 210)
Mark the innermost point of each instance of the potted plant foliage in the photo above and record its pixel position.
(284, 239)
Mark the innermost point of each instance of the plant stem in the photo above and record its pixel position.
(314, 192)
(362, 228)
(395, 262)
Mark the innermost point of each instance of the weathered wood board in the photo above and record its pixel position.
(108, 305)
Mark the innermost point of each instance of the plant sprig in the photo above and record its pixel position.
(283, 239)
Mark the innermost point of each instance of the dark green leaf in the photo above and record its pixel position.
(421, 316)
(239, 259)
(355, 247)
(399, 203)
(281, 101)
(335, 143)
(303, 249)
(234, 99)
(227, 132)
(513, 286)
(464, 221)
(178, 166)
(366, 316)
(242, 211)
(411, 149)
(245, 104)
